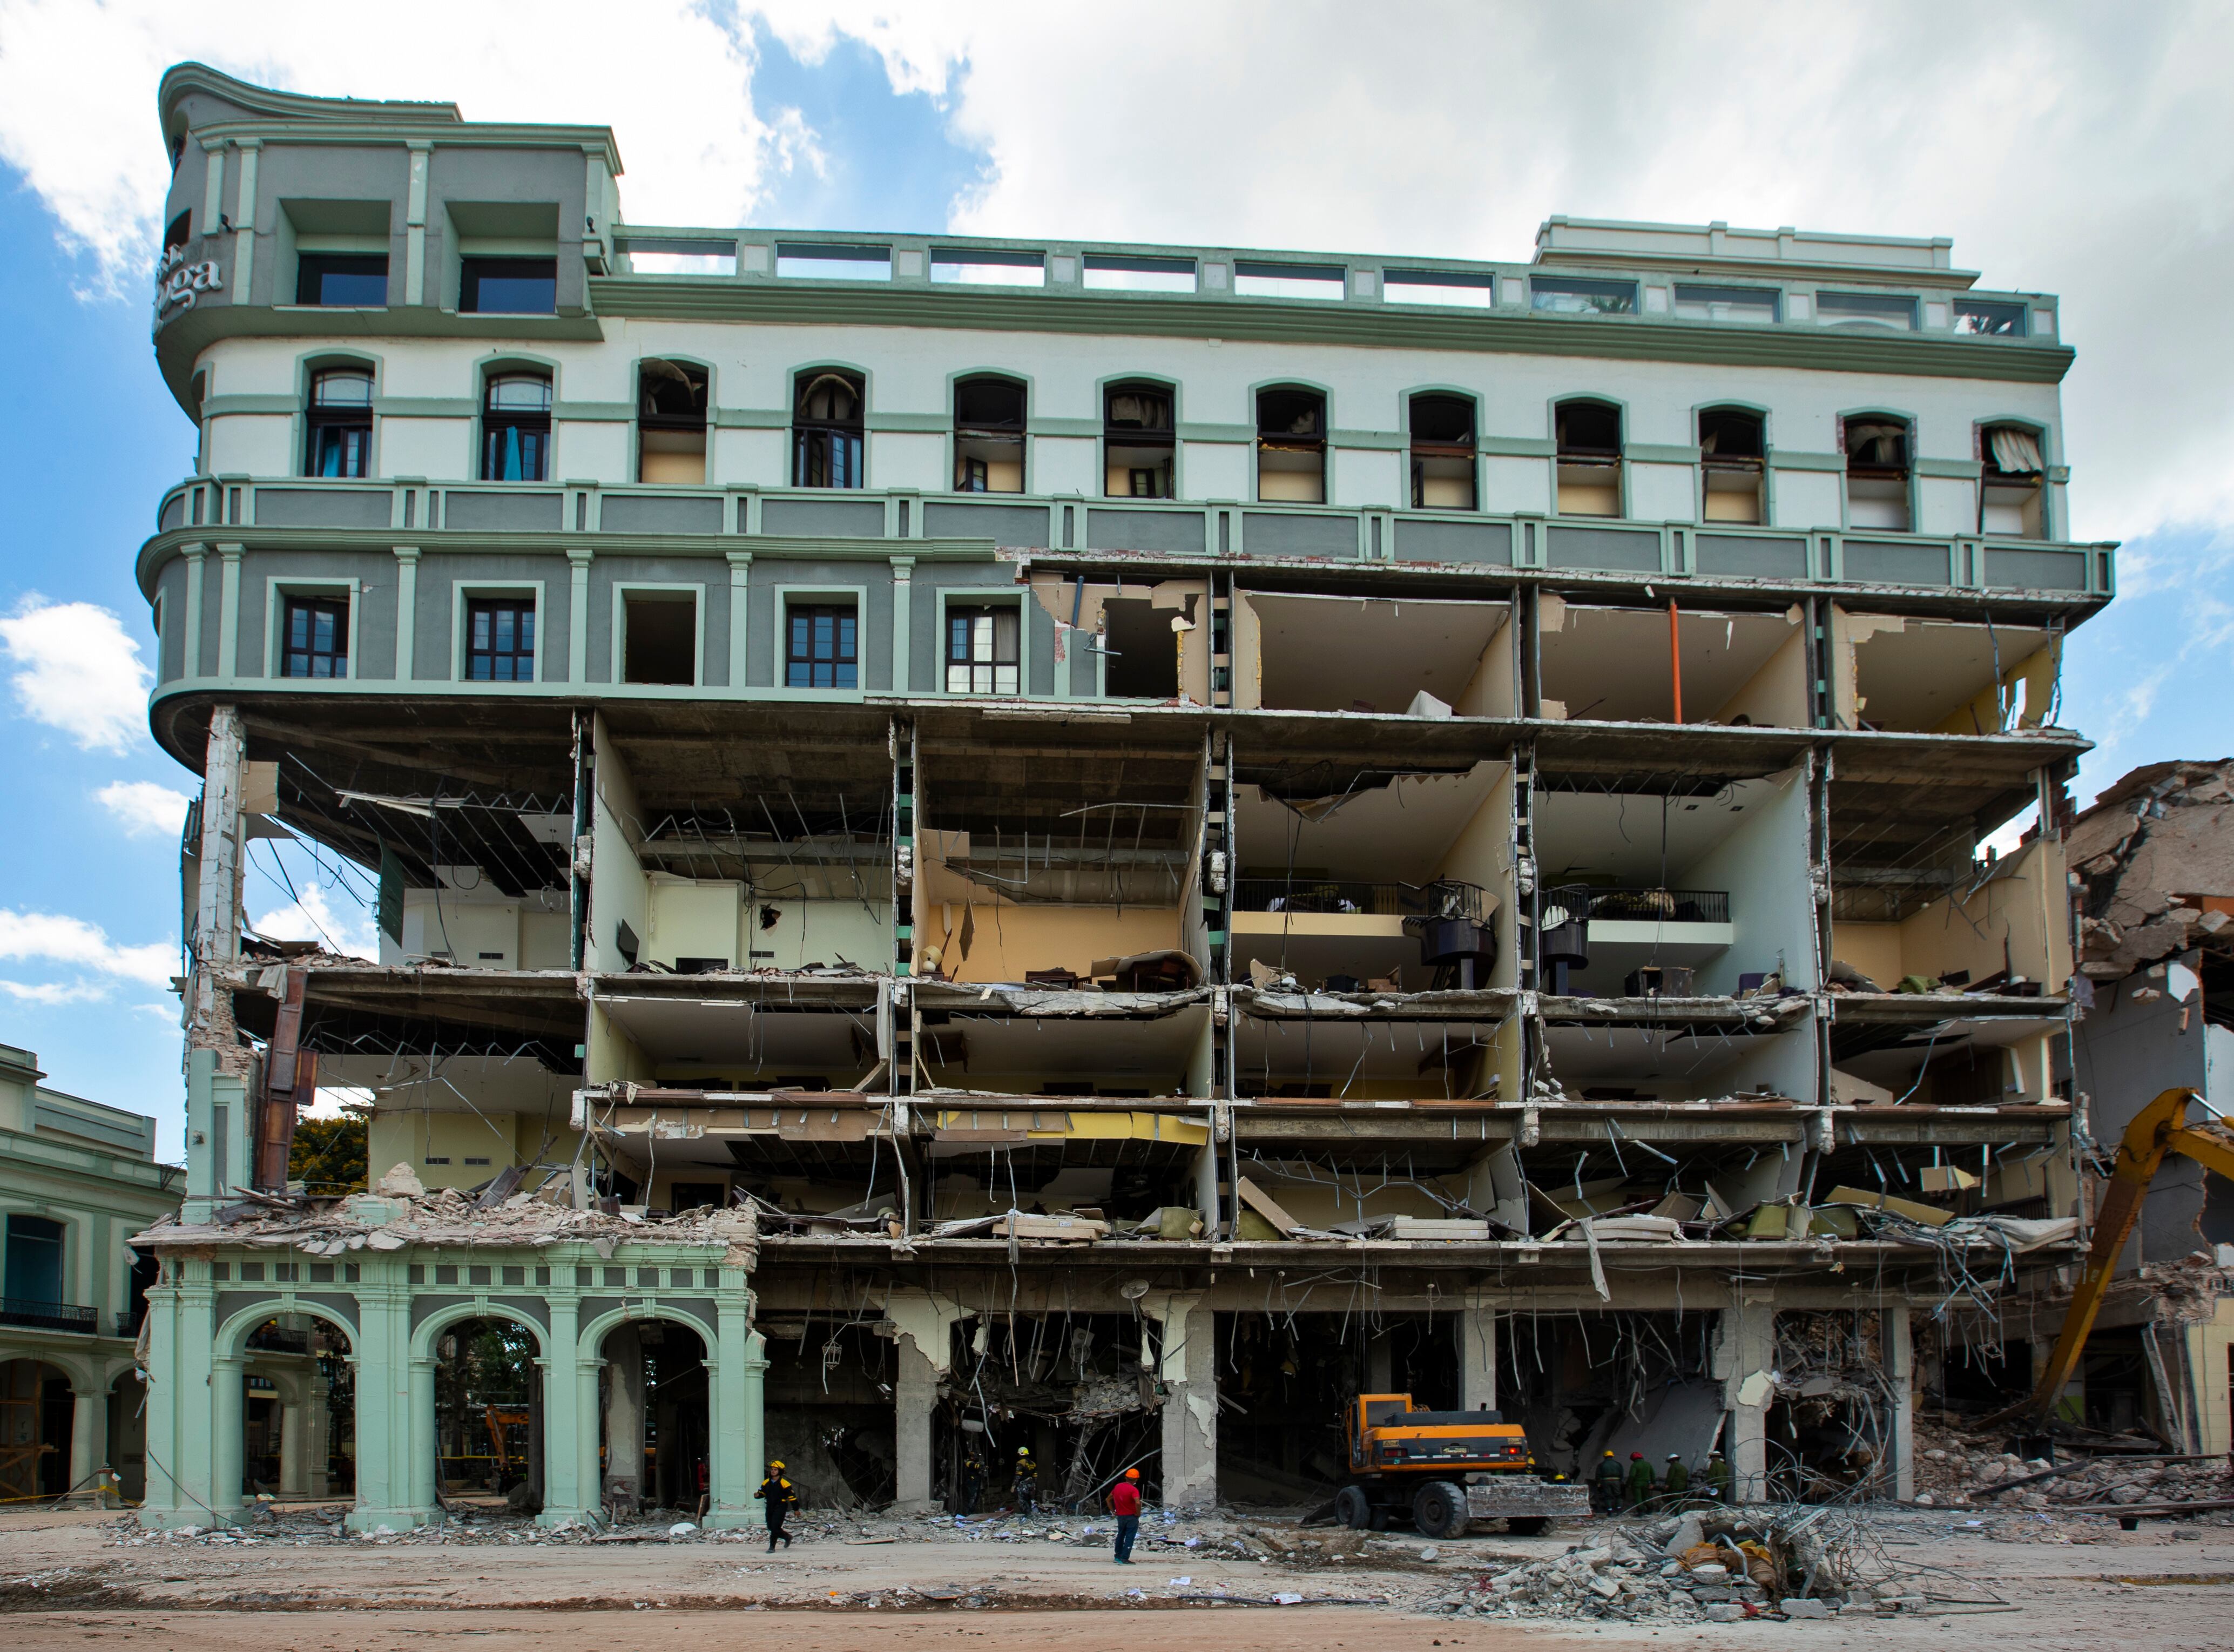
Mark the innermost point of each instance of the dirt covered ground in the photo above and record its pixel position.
(293, 1582)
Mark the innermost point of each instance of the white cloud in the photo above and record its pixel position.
(52, 938)
(77, 671)
(144, 809)
(54, 992)
(314, 917)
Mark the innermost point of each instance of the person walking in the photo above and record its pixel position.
(1125, 1504)
(1026, 1482)
(781, 1497)
(1640, 1482)
(1676, 1484)
(1605, 1486)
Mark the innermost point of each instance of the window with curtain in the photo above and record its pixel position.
(340, 418)
(982, 650)
(500, 639)
(516, 429)
(826, 430)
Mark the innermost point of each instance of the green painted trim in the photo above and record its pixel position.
(1792, 459)
(1961, 470)
(1517, 447)
(217, 406)
(594, 412)
(914, 424)
(1242, 434)
(1659, 454)
(425, 406)
(1387, 441)
(751, 419)
(1088, 428)
(1304, 321)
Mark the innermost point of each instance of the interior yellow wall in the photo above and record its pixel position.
(410, 1135)
(1874, 949)
(1008, 940)
(1491, 690)
(1248, 654)
(2024, 905)
(1848, 631)
(1482, 853)
(613, 1057)
(1982, 714)
(1775, 696)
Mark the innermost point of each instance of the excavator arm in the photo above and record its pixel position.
(2159, 1128)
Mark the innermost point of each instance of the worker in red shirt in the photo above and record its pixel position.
(1125, 1504)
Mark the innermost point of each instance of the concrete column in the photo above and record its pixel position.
(227, 1420)
(624, 1356)
(1900, 1376)
(1187, 1366)
(418, 1431)
(914, 1395)
(1380, 1363)
(88, 1443)
(588, 1483)
(292, 1480)
(181, 1339)
(1745, 1347)
(569, 1478)
(1478, 1357)
(317, 1441)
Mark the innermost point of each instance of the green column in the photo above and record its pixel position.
(384, 1346)
(586, 1366)
(736, 1422)
(418, 1428)
(224, 1443)
(569, 1479)
(178, 1349)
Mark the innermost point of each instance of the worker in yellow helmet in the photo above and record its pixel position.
(781, 1497)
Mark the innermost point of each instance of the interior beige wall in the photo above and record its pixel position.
(1482, 853)
(1007, 940)
(1248, 654)
(1984, 713)
(2023, 905)
(1775, 696)
(1494, 690)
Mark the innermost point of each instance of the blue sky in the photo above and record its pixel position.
(1161, 123)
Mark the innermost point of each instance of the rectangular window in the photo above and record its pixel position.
(1437, 287)
(500, 639)
(659, 637)
(1896, 310)
(1321, 281)
(982, 650)
(342, 280)
(35, 1261)
(980, 267)
(824, 650)
(828, 261)
(1727, 304)
(1112, 272)
(1985, 320)
(508, 287)
(1582, 297)
(316, 639)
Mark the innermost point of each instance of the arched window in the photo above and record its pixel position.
(988, 436)
(516, 429)
(670, 423)
(1138, 440)
(2012, 486)
(1733, 459)
(1442, 453)
(340, 417)
(1878, 447)
(1291, 445)
(826, 430)
(1588, 436)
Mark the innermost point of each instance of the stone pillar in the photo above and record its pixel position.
(1187, 1366)
(386, 1400)
(227, 1400)
(1745, 1347)
(915, 1393)
(1899, 1347)
(624, 1356)
(1478, 1357)
(293, 1481)
(317, 1441)
(181, 1341)
(88, 1443)
(423, 1444)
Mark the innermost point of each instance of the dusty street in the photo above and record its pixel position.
(72, 1579)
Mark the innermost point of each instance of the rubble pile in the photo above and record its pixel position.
(400, 1212)
(1970, 1474)
(2158, 834)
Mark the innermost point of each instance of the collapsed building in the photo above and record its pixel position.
(1322, 825)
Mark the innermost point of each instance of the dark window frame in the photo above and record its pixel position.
(521, 431)
(971, 471)
(1157, 443)
(1312, 443)
(965, 658)
(500, 654)
(807, 660)
(472, 273)
(1426, 450)
(311, 270)
(829, 451)
(329, 647)
(341, 430)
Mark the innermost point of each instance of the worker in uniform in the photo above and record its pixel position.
(1717, 1477)
(1605, 1486)
(781, 1497)
(1125, 1504)
(1028, 1481)
(1676, 1484)
(1641, 1482)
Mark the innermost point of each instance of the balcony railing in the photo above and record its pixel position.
(1319, 895)
(47, 1317)
(1638, 905)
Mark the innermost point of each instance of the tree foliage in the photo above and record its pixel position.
(328, 1155)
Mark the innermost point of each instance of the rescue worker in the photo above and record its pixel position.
(1605, 1486)
(1028, 1481)
(1640, 1482)
(1676, 1484)
(1717, 1477)
(781, 1497)
(1125, 1504)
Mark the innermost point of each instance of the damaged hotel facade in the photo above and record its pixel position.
(983, 843)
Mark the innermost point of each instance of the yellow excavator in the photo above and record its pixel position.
(2159, 1128)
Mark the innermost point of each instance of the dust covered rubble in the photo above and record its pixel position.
(1960, 1473)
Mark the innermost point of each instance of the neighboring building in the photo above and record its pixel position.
(993, 842)
(77, 1180)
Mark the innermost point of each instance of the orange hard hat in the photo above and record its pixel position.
(1132, 1473)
